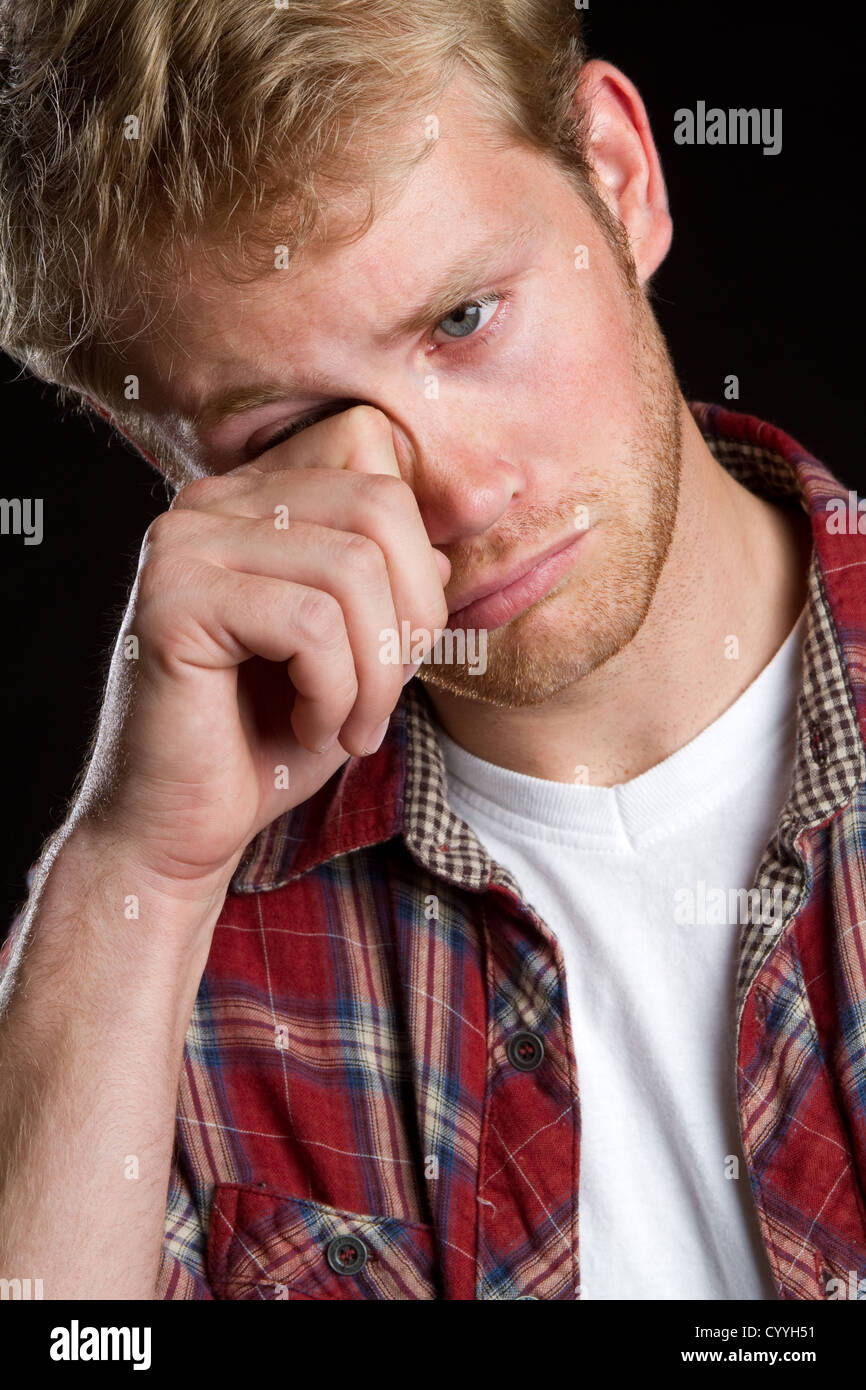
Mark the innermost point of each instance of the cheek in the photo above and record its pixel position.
(571, 394)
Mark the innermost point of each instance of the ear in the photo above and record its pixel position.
(109, 418)
(626, 162)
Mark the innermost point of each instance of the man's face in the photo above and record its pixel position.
(549, 413)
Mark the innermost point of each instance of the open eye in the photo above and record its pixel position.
(466, 320)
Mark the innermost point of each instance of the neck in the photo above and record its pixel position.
(733, 585)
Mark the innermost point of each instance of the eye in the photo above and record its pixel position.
(466, 320)
(295, 426)
(286, 432)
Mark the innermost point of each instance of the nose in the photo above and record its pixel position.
(462, 485)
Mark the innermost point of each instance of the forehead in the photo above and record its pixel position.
(476, 186)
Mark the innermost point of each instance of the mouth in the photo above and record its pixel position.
(496, 602)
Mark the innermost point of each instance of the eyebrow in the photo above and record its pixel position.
(462, 279)
(236, 400)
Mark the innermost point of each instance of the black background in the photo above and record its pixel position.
(763, 280)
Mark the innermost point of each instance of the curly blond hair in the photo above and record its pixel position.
(132, 131)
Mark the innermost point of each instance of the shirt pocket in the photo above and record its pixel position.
(263, 1244)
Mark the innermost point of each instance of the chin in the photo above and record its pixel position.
(552, 646)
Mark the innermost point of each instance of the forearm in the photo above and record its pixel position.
(91, 1043)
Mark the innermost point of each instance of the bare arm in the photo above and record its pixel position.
(91, 1043)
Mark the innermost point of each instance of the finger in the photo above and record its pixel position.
(206, 617)
(374, 504)
(360, 437)
(349, 567)
(370, 449)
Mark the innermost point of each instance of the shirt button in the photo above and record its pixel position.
(525, 1051)
(346, 1254)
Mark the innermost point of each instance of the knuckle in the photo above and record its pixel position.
(158, 532)
(362, 558)
(197, 493)
(167, 531)
(319, 614)
(387, 494)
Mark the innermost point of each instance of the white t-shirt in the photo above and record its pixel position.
(629, 879)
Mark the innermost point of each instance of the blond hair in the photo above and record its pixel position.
(132, 131)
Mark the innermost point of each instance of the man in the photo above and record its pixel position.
(539, 975)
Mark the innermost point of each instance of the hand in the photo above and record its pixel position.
(257, 608)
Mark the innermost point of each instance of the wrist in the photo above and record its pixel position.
(94, 899)
(101, 926)
(94, 847)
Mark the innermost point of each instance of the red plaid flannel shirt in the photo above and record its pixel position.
(350, 1122)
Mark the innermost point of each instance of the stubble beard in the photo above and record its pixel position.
(591, 616)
